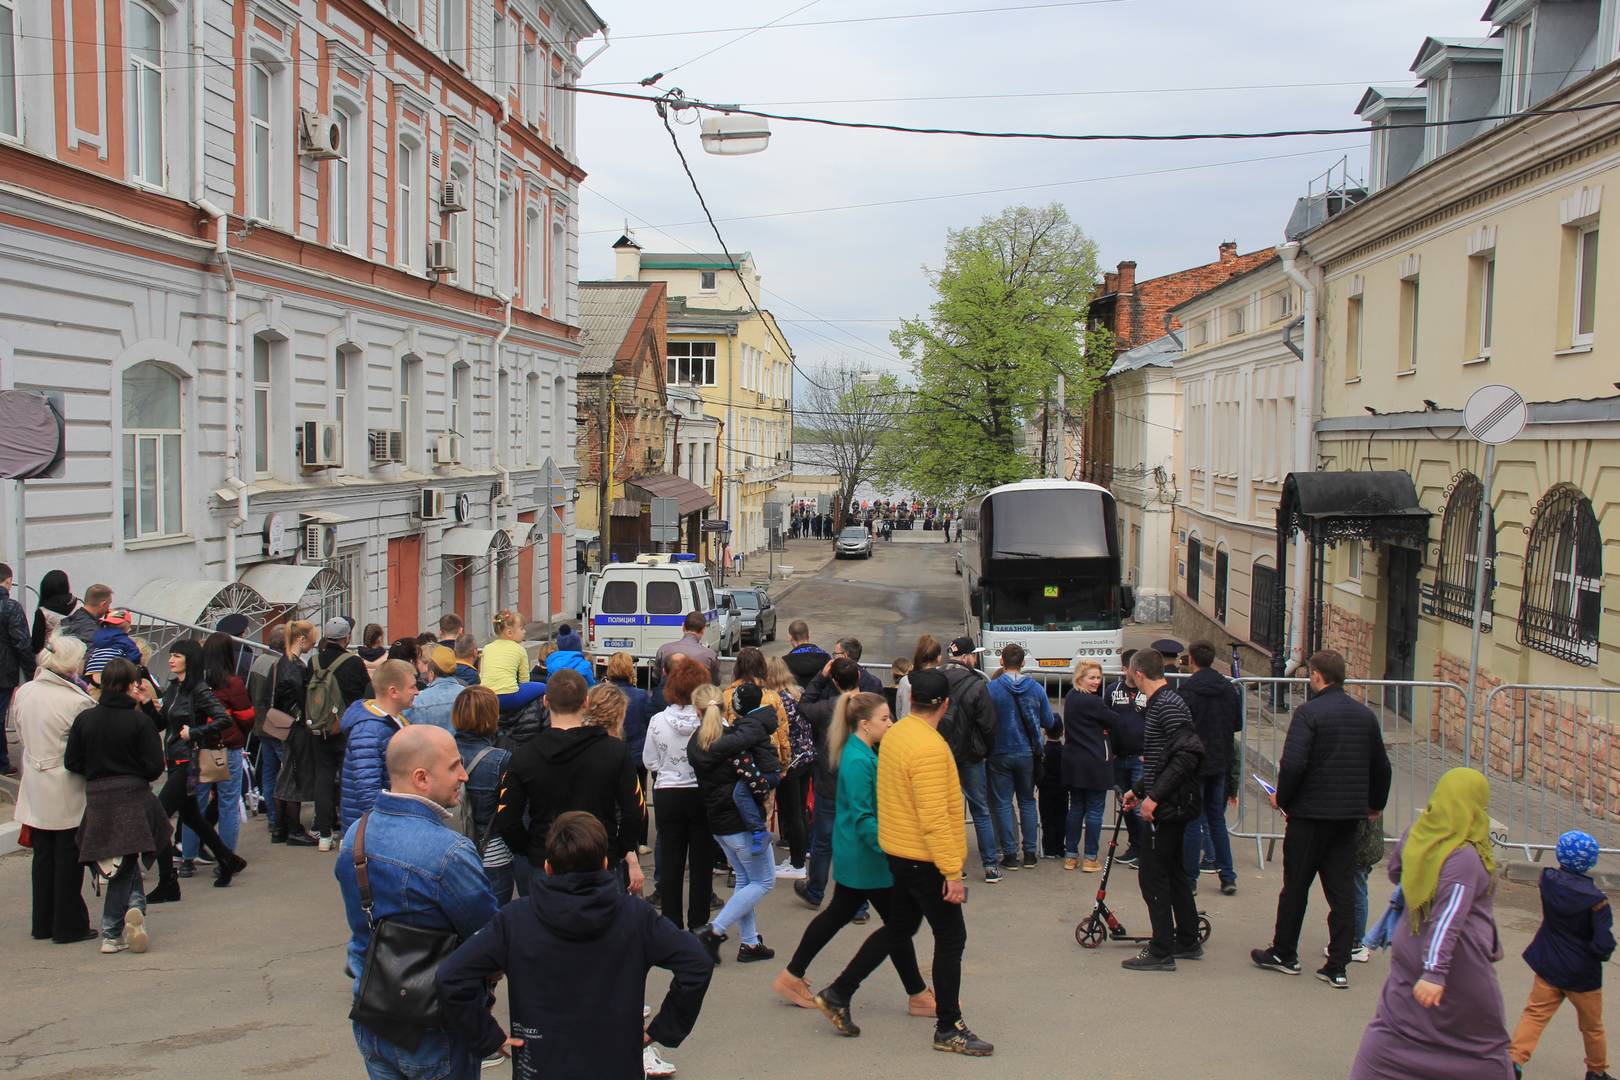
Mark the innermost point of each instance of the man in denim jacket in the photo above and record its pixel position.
(423, 873)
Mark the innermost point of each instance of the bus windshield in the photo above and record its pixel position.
(1034, 604)
(1037, 524)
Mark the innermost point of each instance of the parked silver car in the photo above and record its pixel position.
(853, 541)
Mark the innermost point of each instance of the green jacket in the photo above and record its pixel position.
(858, 862)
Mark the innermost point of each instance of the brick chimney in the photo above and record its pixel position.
(1229, 251)
(1127, 276)
(1110, 281)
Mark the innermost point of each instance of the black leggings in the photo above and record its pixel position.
(328, 765)
(880, 943)
(685, 844)
(790, 813)
(176, 799)
(917, 895)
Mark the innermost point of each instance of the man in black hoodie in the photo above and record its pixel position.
(969, 727)
(570, 766)
(804, 659)
(1217, 714)
(575, 954)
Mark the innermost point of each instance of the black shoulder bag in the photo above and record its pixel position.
(397, 999)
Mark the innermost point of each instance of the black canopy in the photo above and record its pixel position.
(1331, 506)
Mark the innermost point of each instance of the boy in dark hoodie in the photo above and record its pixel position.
(575, 953)
(111, 642)
(759, 768)
(1567, 955)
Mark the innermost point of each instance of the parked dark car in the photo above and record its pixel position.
(758, 613)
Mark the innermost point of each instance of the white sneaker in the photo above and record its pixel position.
(653, 1065)
(112, 945)
(325, 844)
(789, 872)
(1359, 955)
(135, 934)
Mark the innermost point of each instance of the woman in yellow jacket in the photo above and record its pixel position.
(751, 667)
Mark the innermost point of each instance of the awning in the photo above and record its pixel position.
(325, 517)
(524, 533)
(194, 602)
(625, 508)
(293, 584)
(1331, 506)
(466, 542)
(668, 486)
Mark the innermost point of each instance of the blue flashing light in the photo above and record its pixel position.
(683, 556)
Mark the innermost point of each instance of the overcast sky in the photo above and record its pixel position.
(860, 269)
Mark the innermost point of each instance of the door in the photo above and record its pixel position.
(556, 559)
(1400, 584)
(526, 570)
(404, 584)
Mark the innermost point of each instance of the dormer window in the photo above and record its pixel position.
(1518, 63)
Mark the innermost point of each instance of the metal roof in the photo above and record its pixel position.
(467, 542)
(669, 486)
(284, 583)
(606, 311)
(1160, 352)
(688, 260)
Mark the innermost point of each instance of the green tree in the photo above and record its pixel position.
(1008, 318)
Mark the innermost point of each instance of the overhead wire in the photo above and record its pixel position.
(653, 79)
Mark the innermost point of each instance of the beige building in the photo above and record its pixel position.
(1486, 263)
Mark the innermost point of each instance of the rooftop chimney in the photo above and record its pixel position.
(1228, 251)
(1127, 276)
(1110, 281)
(626, 258)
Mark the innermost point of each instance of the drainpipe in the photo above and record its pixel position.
(600, 49)
(1304, 442)
(500, 339)
(1181, 346)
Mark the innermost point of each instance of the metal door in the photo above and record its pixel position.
(1401, 565)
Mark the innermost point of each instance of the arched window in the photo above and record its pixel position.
(1195, 552)
(534, 261)
(559, 419)
(1563, 578)
(153, 444)
(260, 141)
(503, 417)
(1457, 563)
(461, 227)
(344, 188)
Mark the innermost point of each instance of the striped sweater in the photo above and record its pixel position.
(1165, 713)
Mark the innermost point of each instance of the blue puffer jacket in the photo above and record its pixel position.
(1022, 713)
(570, 660)
(1576, 934)
(483, 786)
(638, 714)
(365, 768)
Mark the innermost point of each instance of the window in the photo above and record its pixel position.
(1586, 268)
(507, 242)
(1481, 302)
(261, 406)
(153, 477)
(533, 86)
(337, 183)
(145, 94)
(706, 280)
(619, 598)
(407, 391)
(1352, 562)
(559, 418)
(1237, 321)
(410, 251)
(461, 400)
(461, 227)
(1265, 608)
(1195, 552)
(1518, 55)
(1409, 325)
(1457, 564)
(453, 30)
(1562, 600)
(1352, 339)
(534, 260)
(406, 11)
(691, 362)
(664, 598)
(559, 271)
(503, 417)
(10, 125)
(1222, 569)
(531, 414)
(259, 142)
(505, 53)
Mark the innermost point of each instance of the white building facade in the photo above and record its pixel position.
(302, 274)
(1145, 419)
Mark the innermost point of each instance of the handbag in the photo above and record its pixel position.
(213, 766)
(397, 998)
(277, 724)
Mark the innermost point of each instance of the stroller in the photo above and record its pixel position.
(1102, 922)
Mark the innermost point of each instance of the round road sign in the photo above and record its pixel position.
(1495, 414)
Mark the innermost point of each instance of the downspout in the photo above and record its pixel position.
(1181, 346)
(495, 365)
(1304, 441)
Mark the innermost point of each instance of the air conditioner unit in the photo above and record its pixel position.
(321, 137)
(453, 197)
(447, 449)
(387, 445)
(322, 445)
(500, 492)
(320, 543)
(441, 257)
(432, 504)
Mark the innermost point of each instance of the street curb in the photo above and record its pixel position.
(1529, 873)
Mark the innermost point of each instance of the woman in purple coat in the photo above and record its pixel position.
(1440, 1015)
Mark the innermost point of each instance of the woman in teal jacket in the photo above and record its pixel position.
(860, 874)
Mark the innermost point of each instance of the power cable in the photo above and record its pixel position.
(652, 80)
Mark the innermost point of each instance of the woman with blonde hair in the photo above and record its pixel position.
(638, 713)
(605, 706)
(295, 773)
(1088, 764)
(925, 656)
(796, 746)
(504, 664)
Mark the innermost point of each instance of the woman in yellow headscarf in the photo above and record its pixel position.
(1440, 1015)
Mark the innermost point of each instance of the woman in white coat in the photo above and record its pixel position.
(50, 800)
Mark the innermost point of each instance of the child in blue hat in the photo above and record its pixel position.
(1567, 955)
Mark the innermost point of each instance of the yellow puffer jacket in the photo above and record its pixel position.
(769, 699)
(919, 798)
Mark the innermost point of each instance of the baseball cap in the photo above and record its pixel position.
(442, 659)
(335, 628)
(928, 688)
(116, 617)
(962, 646)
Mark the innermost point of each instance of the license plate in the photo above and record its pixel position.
(618, 643)
(1054, 663)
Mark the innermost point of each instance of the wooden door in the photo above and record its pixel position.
(526, 571)
(404, 585)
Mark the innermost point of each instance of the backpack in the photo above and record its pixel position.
(323, 700)
(466, 825)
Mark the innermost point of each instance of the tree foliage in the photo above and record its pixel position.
(853, 412)
(1009, 316)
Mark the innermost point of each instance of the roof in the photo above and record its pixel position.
(668, 486)
(690, 260)
(1392, 97)
(1212, 290)
(680, 314)
(1159, 353)
(1367, 505)
(1455, 49)
(607, 310)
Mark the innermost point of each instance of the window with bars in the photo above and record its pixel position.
(1195, 552)
(1265, 615)
(1562, 600)
(1222, 570)
(1457, 562)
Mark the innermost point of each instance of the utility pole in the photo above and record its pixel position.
(1046, 423)
(610, 462)
(1063, 429)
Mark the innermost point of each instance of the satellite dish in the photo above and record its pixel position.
(31, 442)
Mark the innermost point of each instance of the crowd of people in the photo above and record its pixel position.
(880, 518)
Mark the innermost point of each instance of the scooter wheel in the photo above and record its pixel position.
(1088, 933)
(1203, 928)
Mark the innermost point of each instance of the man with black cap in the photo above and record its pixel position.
(969, 728)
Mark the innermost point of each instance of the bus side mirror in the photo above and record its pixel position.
(1127, 599)
(976, 602)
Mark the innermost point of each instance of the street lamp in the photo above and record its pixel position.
(728, 134)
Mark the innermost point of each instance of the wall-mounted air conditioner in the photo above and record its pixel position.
(322, 445)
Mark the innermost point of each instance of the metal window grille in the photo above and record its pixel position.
(1195, 554)
(1221, 571)
(1265, 617)
(1563, 578)
(1455, 570)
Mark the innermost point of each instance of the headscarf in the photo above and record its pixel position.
(1577, 851)
(1456, 816)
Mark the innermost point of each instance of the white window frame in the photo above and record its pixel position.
(261, 201)
(534, 258)
(1518, 62)
(340, 182)
(410, 375)
(531, 414)
(680, 363)
(264, 406)
(137, 443)
(143, 112)
(410, 218)
(407, 12)
(460, 412)
(506, 241)
(453, 30)
(1585, 235)
(533, 84)
(557, 285)
(505, 53)
(1355, 330)
(11, 121)
(462, 225)
(1413, 331)
(1487, 301)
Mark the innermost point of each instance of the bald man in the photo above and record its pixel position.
(422, 872)
(368, 726)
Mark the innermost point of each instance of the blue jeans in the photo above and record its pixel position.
(756, 876)
(1085, 808)
(1211, 824)
(819, 865)
(974, 785)
(501, 883)
(438, 1057)
(1013, 776)
(271, 755)
(742, 797)
(1360, 923)
(230, 808)
(1127, 773)
(525, 693)
(124, 890)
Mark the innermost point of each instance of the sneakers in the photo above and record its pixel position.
(750, 954)
(113, 944)
(711, 941)
(793, 990)
(957, 1039)
(1011, 864)
(494, 1061)
(1030, 861)
(1208, 868)
(1360, 954)
(325, 843)
(1071, 862)
(167, 892)
(1091, 866)
(835, 1008)
(1333, 977)
(802, 891)
(1130, 858)
(188, 868)
(1146, 961)
(135, 935)
(922, 1004)
(301, 839)
(992, 875)
(643, 849)
(1195, 951)
(1228, 888)
(653, 1065)
(861, 917)
(788, 872)
(1268, 959)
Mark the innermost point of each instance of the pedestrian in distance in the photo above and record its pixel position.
(1439, 1015)
(219, 673)
(1574, 941)
(369, 726)
(261, 686)
(1052, 797)
(1217, 715)
(804, 658)
(1128, 704)
(689, 644)
(758, 761)
(969, 727)
(288, 768)
(372, 643)
(850, 648)
(436, 700)
(450, 628)
(1023, 712)
(1169, 795)
(466, 649)
(111, 639)
(1334, 773)
(797, 768)
(919, 811)
(926, 654)
(575, 955)
(56, 602)
(422, 873)
(685, 841)
(570, 654)
(1087, 768)
(638, 713)
(338, 677)
(86, 620)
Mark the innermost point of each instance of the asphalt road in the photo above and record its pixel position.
(247, 982)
